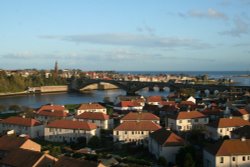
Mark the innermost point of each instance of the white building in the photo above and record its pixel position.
(91, 107)
(228, 153)
(224, 126)
(100, 119)
(166, 144)
(184, 121)
(134, 131)
(69, 130)
(28, 126)
(141, 116)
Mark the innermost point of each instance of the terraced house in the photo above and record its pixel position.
(69, 131)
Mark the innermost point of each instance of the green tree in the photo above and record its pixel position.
(2, 108)
(183, 156)
(188, 161)
(94, 142)
(15, 108)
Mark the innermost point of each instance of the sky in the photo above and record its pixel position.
(126, 35)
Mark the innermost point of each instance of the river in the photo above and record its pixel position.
(71, 98)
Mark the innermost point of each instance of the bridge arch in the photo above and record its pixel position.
(101, 85)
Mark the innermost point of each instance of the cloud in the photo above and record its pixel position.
(240, 28)
(147, 29)
(133, 40)
(210, 13)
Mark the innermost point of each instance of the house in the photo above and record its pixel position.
(234, 152)
(100, 119)
(128, 106)
(21, 125)
(224, 126)
(184, 121)
(187, 106)
(48, 113)
(72, 162)
(27, 158)
(242, 132)
(69, 131)
(12, 142)
(242, 113)
(139, 99)
(140, 116)
(154, 100)
(164, 143)
(213, 113)
(134, 131)
(91, 107)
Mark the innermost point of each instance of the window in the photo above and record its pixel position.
(196, 120)
(126, 132)
(179, 127)
(248, 157)
(189, 120)
(243, 158)
(233, 159)
(142, 132)
(220, 130)
(221, 160)
(117, 132)
(132, 132)
(180, 121)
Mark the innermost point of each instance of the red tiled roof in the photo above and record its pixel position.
(187, 115)
(11, 142)
(230, 147)
(187, 103)
(89, 106)
(212, 111)
(243, 111)
(21, 121)
(166, 138)
(72, 162)
(138, 126)
(93, 115)
(229, 122)
(140, 116)
(168, 103)
(70, 124)
(154, 99)
(51, 107)
(51, 113)
(129, 104)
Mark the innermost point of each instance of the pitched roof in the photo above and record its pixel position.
(21, 158)
(70, 124)
(129, 104)
(187, 115)
(154, 99)
(168, 103)
(93, 116)
(230, 147)
(243, 111)
(187, 103)
(53, 113)
(89, 106)
(229, 122)
(51, 107)
(21, 121)
(166, 138)
(11, 142)
(72, 162)
(138, 126)
(140, 116)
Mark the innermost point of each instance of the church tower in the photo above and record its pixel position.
(56, 69)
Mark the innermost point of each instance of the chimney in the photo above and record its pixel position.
(243, 138)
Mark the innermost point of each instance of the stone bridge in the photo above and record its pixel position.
(131, 87)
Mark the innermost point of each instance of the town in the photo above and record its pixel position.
(187, 127)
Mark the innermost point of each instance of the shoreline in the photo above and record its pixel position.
(28, 93)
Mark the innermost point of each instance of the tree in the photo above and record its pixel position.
(15, 108)
(162, 161)
(188, 161)
(185, 156)
(94, 142)
(2, 108)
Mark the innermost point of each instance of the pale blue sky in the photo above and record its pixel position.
(158, 35)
